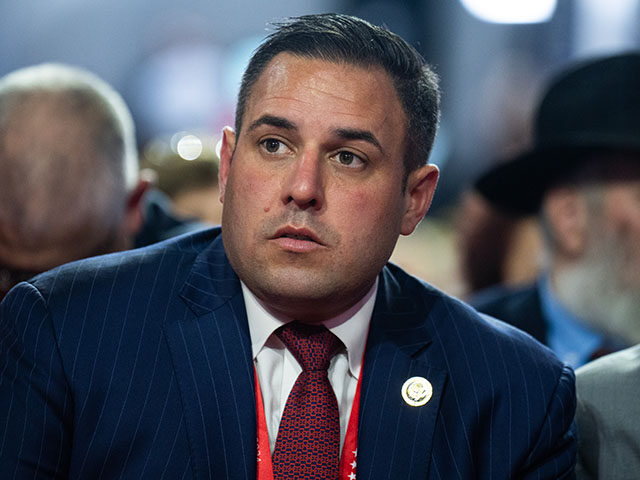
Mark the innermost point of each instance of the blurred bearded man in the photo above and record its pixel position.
(603, 288)
(583, 177)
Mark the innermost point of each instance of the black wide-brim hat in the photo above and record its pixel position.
(594, 105)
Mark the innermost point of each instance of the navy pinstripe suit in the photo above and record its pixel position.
(138, 365)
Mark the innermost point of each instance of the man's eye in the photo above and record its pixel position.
(272, 145)
(349, 159)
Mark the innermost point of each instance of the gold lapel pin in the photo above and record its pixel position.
(417, 391)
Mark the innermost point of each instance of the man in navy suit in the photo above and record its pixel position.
(150, 363)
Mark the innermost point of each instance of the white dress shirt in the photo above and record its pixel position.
(278, 369)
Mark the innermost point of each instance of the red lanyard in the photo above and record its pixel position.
(349, 449)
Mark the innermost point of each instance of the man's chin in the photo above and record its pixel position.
(298, 293)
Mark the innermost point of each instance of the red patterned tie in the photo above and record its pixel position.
(308, 440)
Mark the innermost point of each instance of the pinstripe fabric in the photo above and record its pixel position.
(138, 365)
(502, 405)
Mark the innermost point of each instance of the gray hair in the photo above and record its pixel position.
(117, 140)
(67, 151)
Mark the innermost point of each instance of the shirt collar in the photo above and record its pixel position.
(351, 326)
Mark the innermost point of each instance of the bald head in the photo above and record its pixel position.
(68, 157)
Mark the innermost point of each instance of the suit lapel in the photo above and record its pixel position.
(210, 348)
(394, 438)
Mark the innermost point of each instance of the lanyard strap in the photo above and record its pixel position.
(349, 450)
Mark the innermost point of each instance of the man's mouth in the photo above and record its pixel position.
(297, 239)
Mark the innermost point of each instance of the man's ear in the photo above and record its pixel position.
(226, 154)
(134, 214)
(566, 213)
(421, 185)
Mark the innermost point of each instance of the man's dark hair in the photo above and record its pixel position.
(341, 38)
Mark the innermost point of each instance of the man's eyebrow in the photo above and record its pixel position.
(272, 120)
(355, 134)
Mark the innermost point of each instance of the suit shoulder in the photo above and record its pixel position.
(140, 263)
(613, 372)
(607, 391)
(78, 300)
(455, 322)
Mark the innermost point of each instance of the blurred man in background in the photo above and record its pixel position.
(69, 186)
(583, 177)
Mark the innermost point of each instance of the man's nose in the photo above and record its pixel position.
(304, 185)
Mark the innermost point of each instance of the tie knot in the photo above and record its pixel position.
(311, 345)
